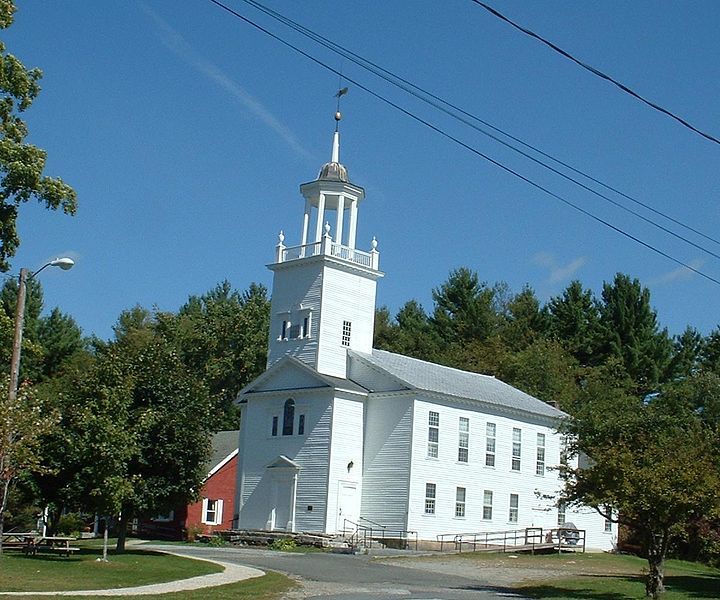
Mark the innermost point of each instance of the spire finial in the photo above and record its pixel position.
(336, 138)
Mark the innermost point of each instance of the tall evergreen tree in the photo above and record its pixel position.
(574, 320)
(630, 332)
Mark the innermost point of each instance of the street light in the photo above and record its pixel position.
(65, 264)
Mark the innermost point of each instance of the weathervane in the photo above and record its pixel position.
(338, 114)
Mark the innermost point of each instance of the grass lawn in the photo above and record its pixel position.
(610, 577)
(83, 572)
(135, 567)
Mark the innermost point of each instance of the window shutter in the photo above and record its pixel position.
(203, 516)
(218, 512)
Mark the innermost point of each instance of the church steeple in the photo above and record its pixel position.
(323, 299)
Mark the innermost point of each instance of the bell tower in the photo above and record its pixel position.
(323, 296)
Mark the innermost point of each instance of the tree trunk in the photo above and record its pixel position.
(122, 533)
(5, 492)
(656, 549)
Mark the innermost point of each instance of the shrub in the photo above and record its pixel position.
(283, 544)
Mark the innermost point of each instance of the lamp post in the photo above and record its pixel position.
(64, 264)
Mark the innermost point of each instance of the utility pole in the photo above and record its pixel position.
(17, 339)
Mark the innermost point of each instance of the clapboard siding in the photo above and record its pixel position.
(347, 443)
(345, 297)
(310, 451)
(294, 296)
(386, 473)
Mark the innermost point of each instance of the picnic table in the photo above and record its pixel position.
(59, 544)
(18, 540)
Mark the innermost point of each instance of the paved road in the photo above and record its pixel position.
(346, 577)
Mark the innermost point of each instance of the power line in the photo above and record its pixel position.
(463, 144)
(411, 88)
(596, 72)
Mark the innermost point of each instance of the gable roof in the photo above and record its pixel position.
(430, 377)
(292, 374)
(224, 447)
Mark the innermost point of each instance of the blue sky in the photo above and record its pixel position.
(186, 134)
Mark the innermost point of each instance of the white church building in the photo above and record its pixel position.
(336, 433)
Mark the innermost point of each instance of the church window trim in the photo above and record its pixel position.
(540, 462)
(490, 438)
(460, 494)
(288, 417)
(463, 439)
(514, 510)
(516, 448)
(430, 495)
(433, 434)
(487, 505)
(346, 331)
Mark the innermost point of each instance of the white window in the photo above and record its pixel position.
(487, 505)
(608, 526)
(514, 510)
(433, 434)
(306, 327)
(301, 425)
(490, 445)
(460, 502)
(274, 426)
(288, 417)
(212, 511)
(430, 490)
(347, 327)
(516, 448)
(562, 507)
(463, 439)
(284, 330)
(540, 463)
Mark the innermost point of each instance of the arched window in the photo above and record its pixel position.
(288, 417)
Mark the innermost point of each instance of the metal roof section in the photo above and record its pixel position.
(434, 378)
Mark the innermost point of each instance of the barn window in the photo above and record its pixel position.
(288, 417)
(212, 511)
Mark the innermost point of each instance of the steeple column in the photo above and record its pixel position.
(340, 216)
(353, 224)
(306, 222)
(320, 218)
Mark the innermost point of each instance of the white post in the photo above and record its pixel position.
(320, 218)
(280, 248)
(306, 222)
(327, 240)
(374, 255)
(340, 217)
(353, 224)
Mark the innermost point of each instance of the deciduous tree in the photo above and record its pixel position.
(21, 164)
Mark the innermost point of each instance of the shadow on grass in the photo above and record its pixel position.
(695, 586)
(82, 555)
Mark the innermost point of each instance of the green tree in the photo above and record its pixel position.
(687, 351)
(630, 332)
(222, 337)
(464, 308)
(654, 466)
(23, 422)
(524, 322)
(21, 164)
(710, 353)
(573, 318)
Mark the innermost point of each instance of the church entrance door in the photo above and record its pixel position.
(282, 513)
(346, 506)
